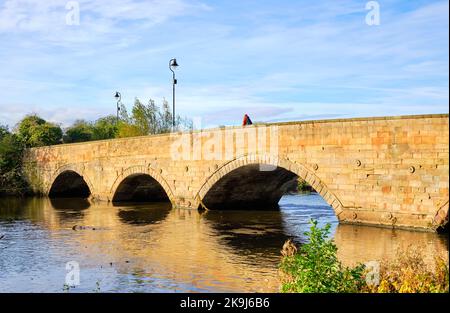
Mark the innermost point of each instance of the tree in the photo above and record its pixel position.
(45, 135)
(128, 130)
(3, 131)
(27, 125)
(33, 131)
(153, 110)
(145, 119)
(165, 118)
(123, 114)
(105, 128)
(185, 124)
(136, 125)
(80, 131)
(11, 148)
(142, 117)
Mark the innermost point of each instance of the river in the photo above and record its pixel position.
(153, 248)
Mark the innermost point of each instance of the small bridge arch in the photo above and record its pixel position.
(127, 181)
(70, 180)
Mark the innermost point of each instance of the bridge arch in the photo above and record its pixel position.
(70, 181)
(283, 166)
(133, 176)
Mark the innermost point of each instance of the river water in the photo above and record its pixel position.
(153, 248)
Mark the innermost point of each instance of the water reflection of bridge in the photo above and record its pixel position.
(211, 251)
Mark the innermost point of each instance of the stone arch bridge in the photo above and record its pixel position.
(387, 171)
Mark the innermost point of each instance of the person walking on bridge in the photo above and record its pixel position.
(247, 120)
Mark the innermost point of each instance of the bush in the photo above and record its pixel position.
(11, 180)
(409, 274)
(315, 267)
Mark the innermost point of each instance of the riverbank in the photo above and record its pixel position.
(315, 267)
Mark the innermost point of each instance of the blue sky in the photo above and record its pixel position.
(275, 60)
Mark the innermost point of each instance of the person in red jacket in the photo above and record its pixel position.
(247, 120)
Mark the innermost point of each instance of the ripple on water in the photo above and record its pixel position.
(152, 248)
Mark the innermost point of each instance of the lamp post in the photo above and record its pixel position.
(173, 66)
(118, 97)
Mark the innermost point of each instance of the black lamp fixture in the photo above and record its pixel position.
(118, 97)
(173, 66)
(174, 63)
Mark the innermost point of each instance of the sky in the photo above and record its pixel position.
(274, 60)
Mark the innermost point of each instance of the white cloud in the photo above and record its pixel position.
(102, 20)
(293, 59)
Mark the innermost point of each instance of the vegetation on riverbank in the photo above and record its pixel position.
(409, 274)
(11, 148)
(314, 267)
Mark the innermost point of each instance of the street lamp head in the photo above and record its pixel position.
(117, 95)
(173, 64)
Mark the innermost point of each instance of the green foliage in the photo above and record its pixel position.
(33, 131)
(45, 135)
(80, 131)
(3, 131)
(105, 128)
(149, 119)
(166, 119)
(145, 117)
(11, 150)
(123, 114)
(303, 185)
(128, 130)
(315, 268)
(8, 149)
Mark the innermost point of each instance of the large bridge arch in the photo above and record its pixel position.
(134, 171)
(70, 179)
(269, 160)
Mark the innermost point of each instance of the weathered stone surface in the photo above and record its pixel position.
(390, 171)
